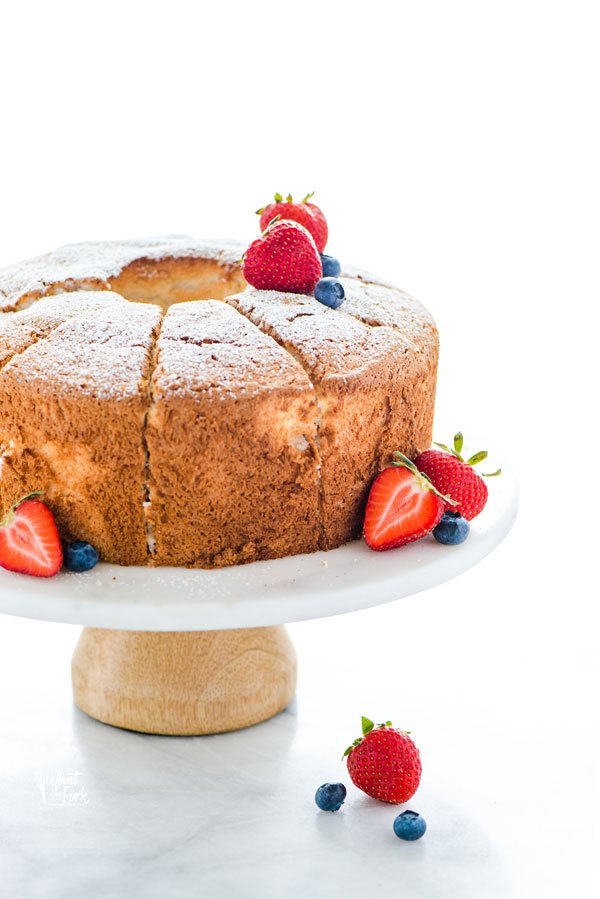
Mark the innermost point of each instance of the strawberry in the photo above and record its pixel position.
(29, 541)
(304, 213)
(384, 763)
(283, 258)
(403, 506)
(455, 478)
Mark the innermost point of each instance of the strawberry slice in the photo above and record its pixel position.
(403, 506)
(29, 540)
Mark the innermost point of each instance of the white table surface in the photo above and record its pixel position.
(491, 677)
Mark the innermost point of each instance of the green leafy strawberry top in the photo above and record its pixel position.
(456, 451)
(289, 199)
(367, 727)
(402, 461)
(4, 522)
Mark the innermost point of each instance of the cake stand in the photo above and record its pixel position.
(173, 651)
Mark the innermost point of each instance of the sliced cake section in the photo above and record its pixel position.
(411, 413)
(364, 379)
(231, 438)
(73, 400)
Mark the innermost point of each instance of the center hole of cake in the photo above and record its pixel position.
(168, 281)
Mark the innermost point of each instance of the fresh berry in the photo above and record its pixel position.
(384, 763)
(409, 826)
(331, 266)
(452, 529)
(456, 478)
(80, 556)
(29, 541)
(305, 213)
(402, 507)
(330, 797)
(330, 291)
(284, 258)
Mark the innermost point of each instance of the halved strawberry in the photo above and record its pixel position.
(403, 506)
(29, 540)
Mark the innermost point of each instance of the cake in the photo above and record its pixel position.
(173, 415)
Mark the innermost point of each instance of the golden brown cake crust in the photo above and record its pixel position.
(245, 425)
(374, 383)
(231, 443)
(121, 265)
(72, 407)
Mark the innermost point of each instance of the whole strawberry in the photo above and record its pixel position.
(384, 763)
(284, 258)
(305, 213)
(455, 478)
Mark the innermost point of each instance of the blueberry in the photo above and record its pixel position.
(331, 266)
(330, 797)
(452, 529)
(409, 826)
(330, 291)
(80, 556)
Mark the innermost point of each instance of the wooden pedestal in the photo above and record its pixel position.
(184, 683)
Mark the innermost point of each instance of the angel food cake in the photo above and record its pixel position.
(172, 414)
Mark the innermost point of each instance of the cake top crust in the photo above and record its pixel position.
(374, 322)
(207, 347)
(93, 264)
(90, 343)
(249, 341)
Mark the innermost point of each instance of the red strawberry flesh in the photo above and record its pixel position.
(29, 540)
(401, 509)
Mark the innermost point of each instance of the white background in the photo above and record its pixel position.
(454, 148)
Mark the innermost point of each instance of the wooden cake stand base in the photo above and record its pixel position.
(184, 683)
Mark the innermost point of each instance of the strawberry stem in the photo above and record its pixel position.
(11, 512)
(447, 449)
(402, 461)
(473, 460)
(477, 457)
(274, 220)
(367, 726)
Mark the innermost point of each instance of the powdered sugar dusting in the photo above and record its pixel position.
(383, 306)
(92, 265)
(328, 342)
(86, 343)
(207, 346)
(376, 321)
